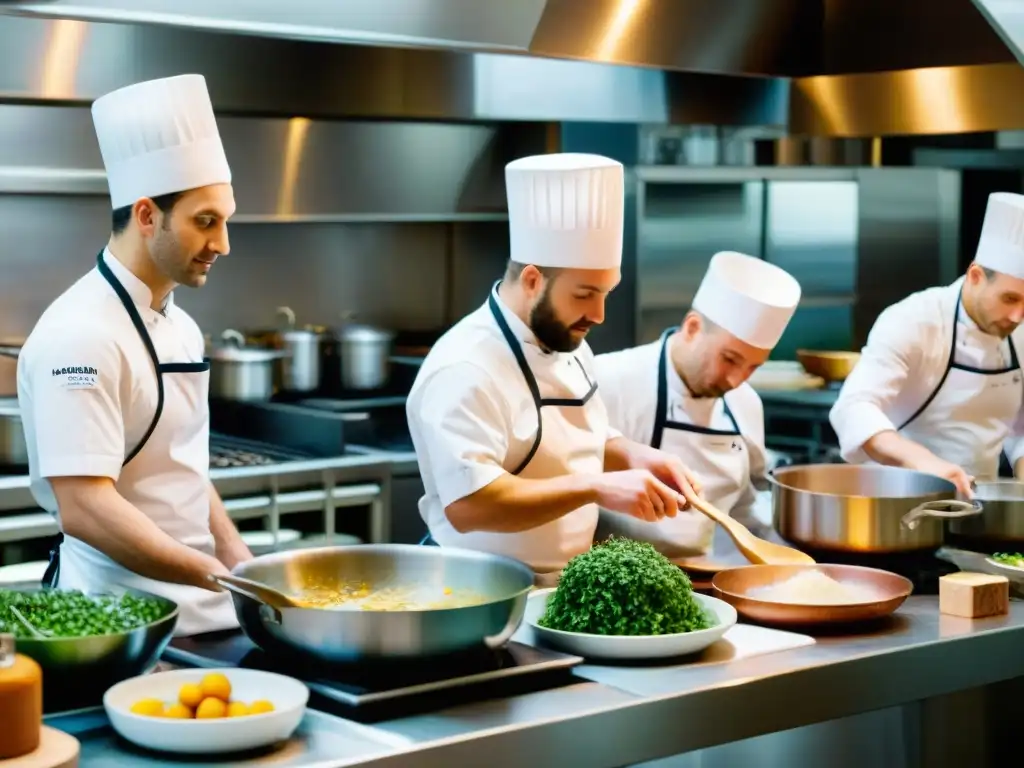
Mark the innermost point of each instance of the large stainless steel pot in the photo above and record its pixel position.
(238, 372)
(1003, 518)
(13, 451)
(350, 635)
(365, 354)
(309, 348)
(863, 508)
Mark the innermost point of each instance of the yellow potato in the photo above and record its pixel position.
(217, 686)
(148, 708)
(237, 709)
(211, 708)
(178, 711)
(260, 707)
(190, 695)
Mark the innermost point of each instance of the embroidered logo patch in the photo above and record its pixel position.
(76, 377)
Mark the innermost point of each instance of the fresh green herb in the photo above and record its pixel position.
(1015, 560)
(65, 613)
(624, 587)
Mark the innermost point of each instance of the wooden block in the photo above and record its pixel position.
(56, 750)
(974, 595)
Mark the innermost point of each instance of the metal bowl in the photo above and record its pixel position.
(349, 635)
(736, 585)
(78, 668)
(831, 366)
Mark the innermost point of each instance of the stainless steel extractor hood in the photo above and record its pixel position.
(774, 38)
(757, 37)
(1007, 18)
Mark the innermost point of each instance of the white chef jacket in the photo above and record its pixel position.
(904, 362)
(629, 382)
(473, 419)
(88, 394)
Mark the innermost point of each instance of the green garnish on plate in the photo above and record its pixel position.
(624, 587)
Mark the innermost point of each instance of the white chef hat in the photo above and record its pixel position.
(750, 298)
(159, 137)
(566, 210)
(1001, 246)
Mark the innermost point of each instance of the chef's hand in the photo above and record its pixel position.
(636, 492)
(933, 465)
(667, 468)
(217, 568)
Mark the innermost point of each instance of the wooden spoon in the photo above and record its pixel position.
(754, 549)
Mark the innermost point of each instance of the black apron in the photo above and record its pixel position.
(661, 420)
(52, 574)
(531, 382)
(950, 365)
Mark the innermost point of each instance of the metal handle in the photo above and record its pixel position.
(497, 641)
(231, 336)
(952, 508)
(9, 351)
(261, 593)
(288, 315)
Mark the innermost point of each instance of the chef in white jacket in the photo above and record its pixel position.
(687, 394)
(938, 387)
(112, 382)
(509, 427)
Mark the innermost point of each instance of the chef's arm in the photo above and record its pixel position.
(891, 448)
(230, 548)
(859, 416)
(512, 504)
(93, 511)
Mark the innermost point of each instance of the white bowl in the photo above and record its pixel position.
(630, 646)
(197, 737)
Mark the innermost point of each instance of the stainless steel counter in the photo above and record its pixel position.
(623, 715)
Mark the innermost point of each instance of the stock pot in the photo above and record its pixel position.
(864, 508)
(240, 372)
(1003, 519)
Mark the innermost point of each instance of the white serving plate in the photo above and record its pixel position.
(630, 647)
(201, 737)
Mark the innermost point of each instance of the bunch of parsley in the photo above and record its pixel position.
(624, 587)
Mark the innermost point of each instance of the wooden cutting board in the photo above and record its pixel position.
(56, 750)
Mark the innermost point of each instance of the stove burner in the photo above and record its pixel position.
(235, 452)
(361, 690)
(227, 457)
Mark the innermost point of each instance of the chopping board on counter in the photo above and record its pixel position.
(744, 641)
(56, 750)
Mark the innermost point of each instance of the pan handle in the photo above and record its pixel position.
(954, 508)
(497, 641)
(266, 596)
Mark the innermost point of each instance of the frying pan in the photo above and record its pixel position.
(275, 623)
(739, 586)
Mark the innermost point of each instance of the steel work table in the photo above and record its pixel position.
(624, 715)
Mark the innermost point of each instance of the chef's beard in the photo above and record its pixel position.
(551, 332)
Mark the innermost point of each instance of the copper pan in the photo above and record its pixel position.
(735, 585)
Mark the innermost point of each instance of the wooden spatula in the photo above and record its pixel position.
(754, 549)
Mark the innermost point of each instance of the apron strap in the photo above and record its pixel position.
(52, 574)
